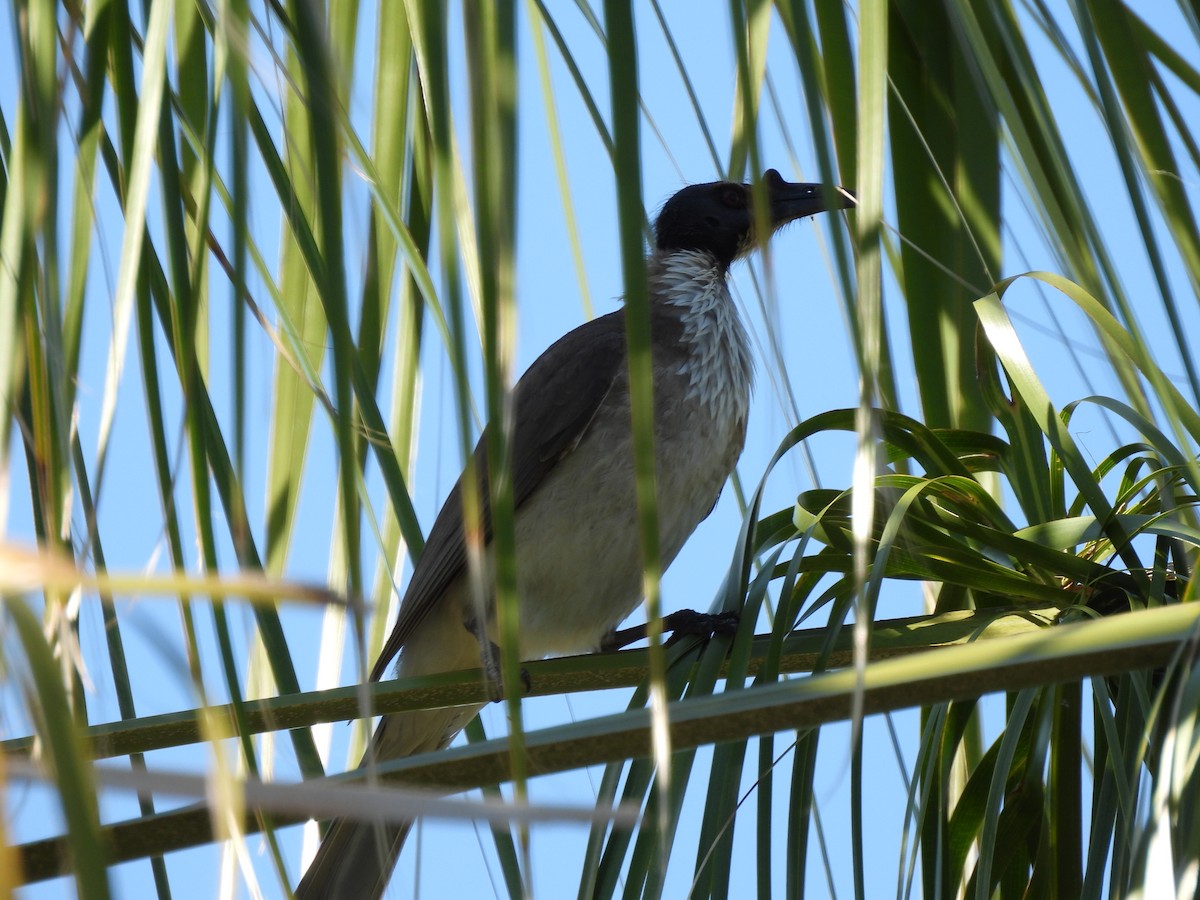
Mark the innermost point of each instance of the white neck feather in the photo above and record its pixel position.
(719, 366)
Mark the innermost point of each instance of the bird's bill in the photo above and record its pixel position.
(795, 200)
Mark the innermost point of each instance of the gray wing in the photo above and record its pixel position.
(572, 378)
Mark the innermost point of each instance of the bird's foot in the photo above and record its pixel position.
(495, 686)
(681, 624)
(495, 680)
(689, 623)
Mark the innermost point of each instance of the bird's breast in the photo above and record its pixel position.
(579, 560)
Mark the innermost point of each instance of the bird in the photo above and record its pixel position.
(578, 554)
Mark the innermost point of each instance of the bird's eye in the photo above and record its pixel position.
(712, 221)
(734, 198)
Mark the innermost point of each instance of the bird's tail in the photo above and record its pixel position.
(355, 859)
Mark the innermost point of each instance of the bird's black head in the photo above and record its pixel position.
(718, 217)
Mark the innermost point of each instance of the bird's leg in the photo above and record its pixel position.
(489, 654)
(683, 623)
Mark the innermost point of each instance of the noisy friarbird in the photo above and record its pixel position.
(578, 556)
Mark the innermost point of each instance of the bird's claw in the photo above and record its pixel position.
(495, 681)
(495, 685)
(684, 623)
(689, 623)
